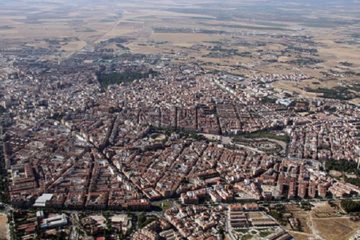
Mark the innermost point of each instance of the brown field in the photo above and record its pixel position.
(301, 236)
(257, 215)
(328, 223)
(334, 173)
(324, 210)
(301, 215)
(73, 46)
(336, 228)
(3, 227)
(322, 222)
(355, 101)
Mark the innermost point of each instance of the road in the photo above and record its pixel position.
(228, 228)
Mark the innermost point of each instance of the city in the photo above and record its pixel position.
(105, 142)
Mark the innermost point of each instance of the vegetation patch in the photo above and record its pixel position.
(106, 79)
(348, 167)
(350, 206)
(305, 61)
(280, 213)
(342, 166)
(144, 220)
(265, 233)
(263, 134)
(341, 93)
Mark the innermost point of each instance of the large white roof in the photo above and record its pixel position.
(41, 201)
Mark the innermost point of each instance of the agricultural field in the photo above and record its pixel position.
(248, 38)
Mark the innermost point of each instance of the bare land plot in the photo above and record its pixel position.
(4, 228)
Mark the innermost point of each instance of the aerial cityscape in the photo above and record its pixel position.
(179, 119)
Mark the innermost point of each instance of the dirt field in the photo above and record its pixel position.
(335, 228)
(329, 223)
(301, 236)
(323, 222)
(302, 216)
(4, 231)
